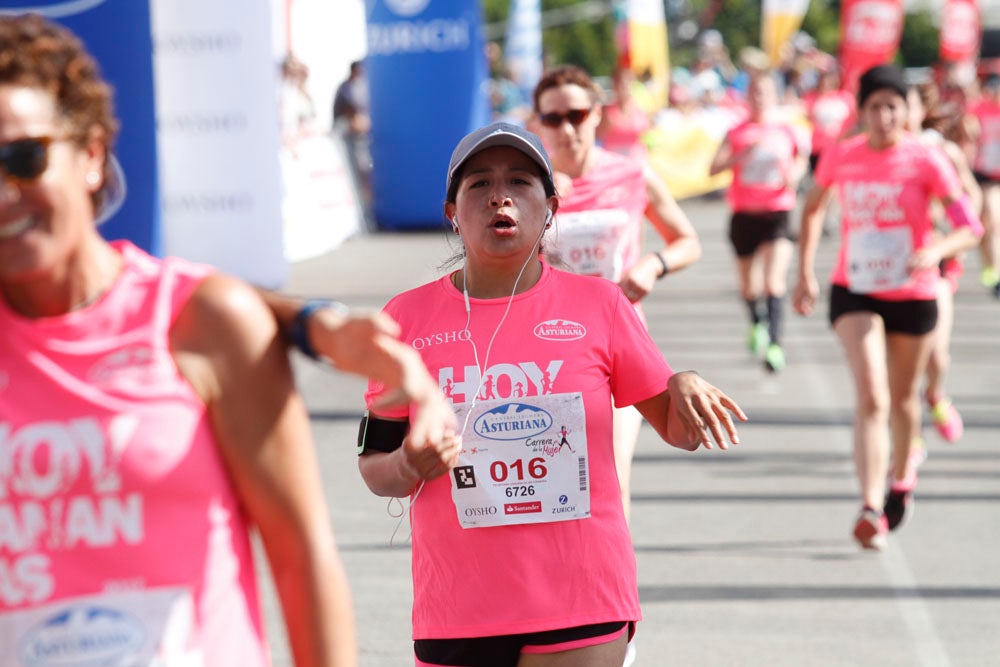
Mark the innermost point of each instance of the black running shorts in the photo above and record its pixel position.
(505, 650)
(747, 231)
(916, 317)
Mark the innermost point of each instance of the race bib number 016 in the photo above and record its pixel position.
(523, 461)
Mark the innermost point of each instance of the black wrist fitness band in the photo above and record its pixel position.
(298, 333)
(663, 263)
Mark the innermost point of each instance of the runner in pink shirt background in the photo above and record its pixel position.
(623, 120)
(986, 165)
(521, 551)
(831, 111)
(927, 122)
(768, 158)
(604, 199)
(884, 285)
(150, 418)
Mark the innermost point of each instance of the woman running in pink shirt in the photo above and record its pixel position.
(883, 304)
(521, 552)
(149, 420)
(768, 159)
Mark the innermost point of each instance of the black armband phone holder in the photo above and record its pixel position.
(381, 435)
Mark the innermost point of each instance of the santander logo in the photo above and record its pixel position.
(560, 330)
(57, 9)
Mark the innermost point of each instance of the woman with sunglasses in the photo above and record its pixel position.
(521, 552)
(604, 198)
(883, 304)
(148, 416)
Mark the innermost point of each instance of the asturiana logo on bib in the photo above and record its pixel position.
(83, 636)
(513, 421)
(407, 7)
(560, 330)
(56, 9)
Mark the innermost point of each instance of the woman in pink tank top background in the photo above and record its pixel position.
(604, 198)
(767, 158)
(148, 420)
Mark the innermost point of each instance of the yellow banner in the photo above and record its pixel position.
(647, 48)
(681, 152)
(781, 20)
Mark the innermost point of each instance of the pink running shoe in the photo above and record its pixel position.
(946, 420)
(871, 529)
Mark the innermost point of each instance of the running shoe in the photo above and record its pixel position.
(946, 420)
(898, 506)
(774, 360)
(759, 338)
(989, 278)
(870, 529)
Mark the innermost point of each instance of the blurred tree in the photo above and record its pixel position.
(918, 46)
(589, 44)
(822, 21)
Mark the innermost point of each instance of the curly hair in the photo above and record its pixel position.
(567, 75)
(38, 53)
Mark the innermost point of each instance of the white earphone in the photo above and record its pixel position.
(548, 217)
(454, 224)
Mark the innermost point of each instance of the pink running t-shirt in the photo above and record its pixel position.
(123, 541)
(623, 130)
(885, 203)
(830, 114)
(987, 161)
(760, 180)
(568, 335)
(598, 228)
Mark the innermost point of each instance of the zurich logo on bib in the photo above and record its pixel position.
(55, 9)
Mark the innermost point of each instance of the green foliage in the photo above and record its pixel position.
(822, 21)
(589, 44)
(918, 46)
(739, 22)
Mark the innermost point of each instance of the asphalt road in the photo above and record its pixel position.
(745, 557)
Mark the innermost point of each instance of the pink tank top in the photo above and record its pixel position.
(624, 129)
(885, 200)
(760, 182)
(598, 230)
(830, 115)
(987, 160)
(121, 537)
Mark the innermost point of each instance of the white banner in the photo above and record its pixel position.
(321, 207)
(217, 111)
(523, 49)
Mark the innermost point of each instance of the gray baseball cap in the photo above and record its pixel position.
(499, 134)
